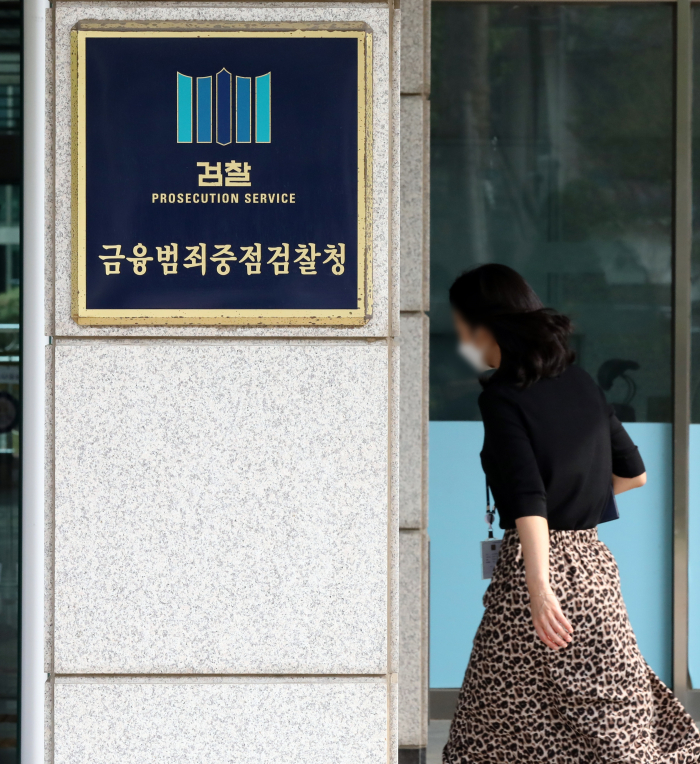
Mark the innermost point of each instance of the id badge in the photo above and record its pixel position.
(489, 556)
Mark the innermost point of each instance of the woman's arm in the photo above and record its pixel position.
(622, 484)
(550, 623)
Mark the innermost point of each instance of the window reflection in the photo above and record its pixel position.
(552, 152)
(10, 272)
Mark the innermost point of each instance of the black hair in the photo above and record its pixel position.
(533, 339)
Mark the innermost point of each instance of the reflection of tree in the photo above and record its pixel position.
(695, 290)
(552, 138)
(9, 306)
(623, 114)
(567, 115)
(477, 124)
(622, 121)
(466, 113)
(568, 108)
(600, 111)
(585, 209)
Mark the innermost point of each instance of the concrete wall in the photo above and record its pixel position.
(222, 557)
(415, 91)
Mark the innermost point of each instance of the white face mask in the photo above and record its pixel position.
(473, 356)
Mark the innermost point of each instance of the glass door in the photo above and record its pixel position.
(552, 151)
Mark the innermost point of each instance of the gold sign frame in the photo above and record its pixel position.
(217, 317)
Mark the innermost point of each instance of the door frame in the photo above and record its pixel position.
(442, 704)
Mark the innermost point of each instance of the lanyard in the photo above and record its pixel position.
(490, 514)
(489, 548)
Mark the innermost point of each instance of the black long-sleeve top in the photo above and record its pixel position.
(551, 449)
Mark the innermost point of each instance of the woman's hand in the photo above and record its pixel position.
(551, 624)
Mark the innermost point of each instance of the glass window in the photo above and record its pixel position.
(10, 273)
(552, 152)
(552, 135)
(694, 487)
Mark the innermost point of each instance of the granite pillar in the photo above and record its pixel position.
(414, 583)
(222, 558)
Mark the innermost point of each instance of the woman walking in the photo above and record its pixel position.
(555, 673)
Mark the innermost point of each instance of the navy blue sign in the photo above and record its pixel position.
(222, 177)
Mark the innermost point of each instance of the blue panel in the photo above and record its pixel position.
(204, 103)
(457, 505)
(641, 542)
(694, 560)
(243, 110)
(263, 109)
(184, 108)
(224, 122)
(143, 184)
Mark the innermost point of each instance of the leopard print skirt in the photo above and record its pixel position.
(595, 700)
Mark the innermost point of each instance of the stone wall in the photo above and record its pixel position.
(222, 503)
(414, 543)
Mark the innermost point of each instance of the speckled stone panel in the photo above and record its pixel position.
(394, 504)
(413, 657)
(395, 187)
(414, 414)
(256, 723)
(221, 507)
(48, 505)
(385, 92)
(415, 37)
(413, 208)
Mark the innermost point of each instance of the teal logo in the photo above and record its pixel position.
(217, 111)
